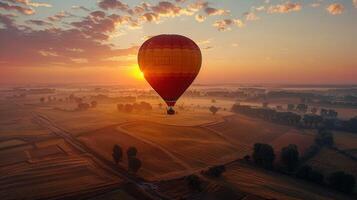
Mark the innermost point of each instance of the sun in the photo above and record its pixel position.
(137, 73)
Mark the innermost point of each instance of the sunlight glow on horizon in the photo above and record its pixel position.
(137, 73)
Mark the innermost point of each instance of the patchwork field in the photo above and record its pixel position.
(245, 132)
(273, 185)
(49, 169)
(155, 161)
(16, 121)
(106, 114)
(329, 161)
(197, 146)
(345, 141)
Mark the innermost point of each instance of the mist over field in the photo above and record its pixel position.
(58, 142)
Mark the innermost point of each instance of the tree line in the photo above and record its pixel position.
(292, 163)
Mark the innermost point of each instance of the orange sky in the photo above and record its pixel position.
(254, 41)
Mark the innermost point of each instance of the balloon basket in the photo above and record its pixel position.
(170, 111)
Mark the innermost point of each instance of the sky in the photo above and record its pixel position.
(242, 41)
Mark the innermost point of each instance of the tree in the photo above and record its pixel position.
(263, 155)
(265, 104)
(145, 106)
(215, 171)
(302, 107)
(120, 107)
(128, 108)
(131, 152)
(291, 107)
(94, 104)
(83, 106)
(246, 158)
(307, 173)
(194, 182)
(117, 153)
(213, 109)
(324, 138)
(342, 181)
(134, 164)
(314, 110)
(290, 156)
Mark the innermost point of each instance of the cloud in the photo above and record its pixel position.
(39, 22)
(113, 4)
(150, 17)
(250, 16)
(200, 18)
(285, 8)
(98, 26)
(224, 25)
(59, 16)
(215, 11)
(207, 47)
(23, 10)
(29, 3)
(335, 9)
(73, 47)
(80, 8)
(203, 42)
(166, 8)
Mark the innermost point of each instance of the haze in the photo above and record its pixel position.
(256, 41)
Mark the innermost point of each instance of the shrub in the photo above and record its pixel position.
(120, 107)
(128, 108)
(194, 182)
(83, 106)
(342, 181)
(215, 171)
(94, 104)
(213, 109)
(324, 138)
(309, 174)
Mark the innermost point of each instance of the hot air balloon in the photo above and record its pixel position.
(170, 63)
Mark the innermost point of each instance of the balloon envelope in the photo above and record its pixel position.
(170, 64)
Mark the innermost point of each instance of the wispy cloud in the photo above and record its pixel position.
(23, 10)
(285, 8)
(335, 9)
(224, 25)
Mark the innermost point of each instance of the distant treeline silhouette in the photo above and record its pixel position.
(327, 118)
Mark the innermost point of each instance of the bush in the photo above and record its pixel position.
(213, 109)
(117, 153)
(324, 138)
(263, 155)
(128, 108)
(342, 181)
(290, 156)
(131, 152)
(215, 171)
(309, 174)
(246, 158)
(120, 107)
(94, 104)
(194, 182)
(134, 164)
(83, 106)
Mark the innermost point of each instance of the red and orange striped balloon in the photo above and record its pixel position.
(170, 63)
